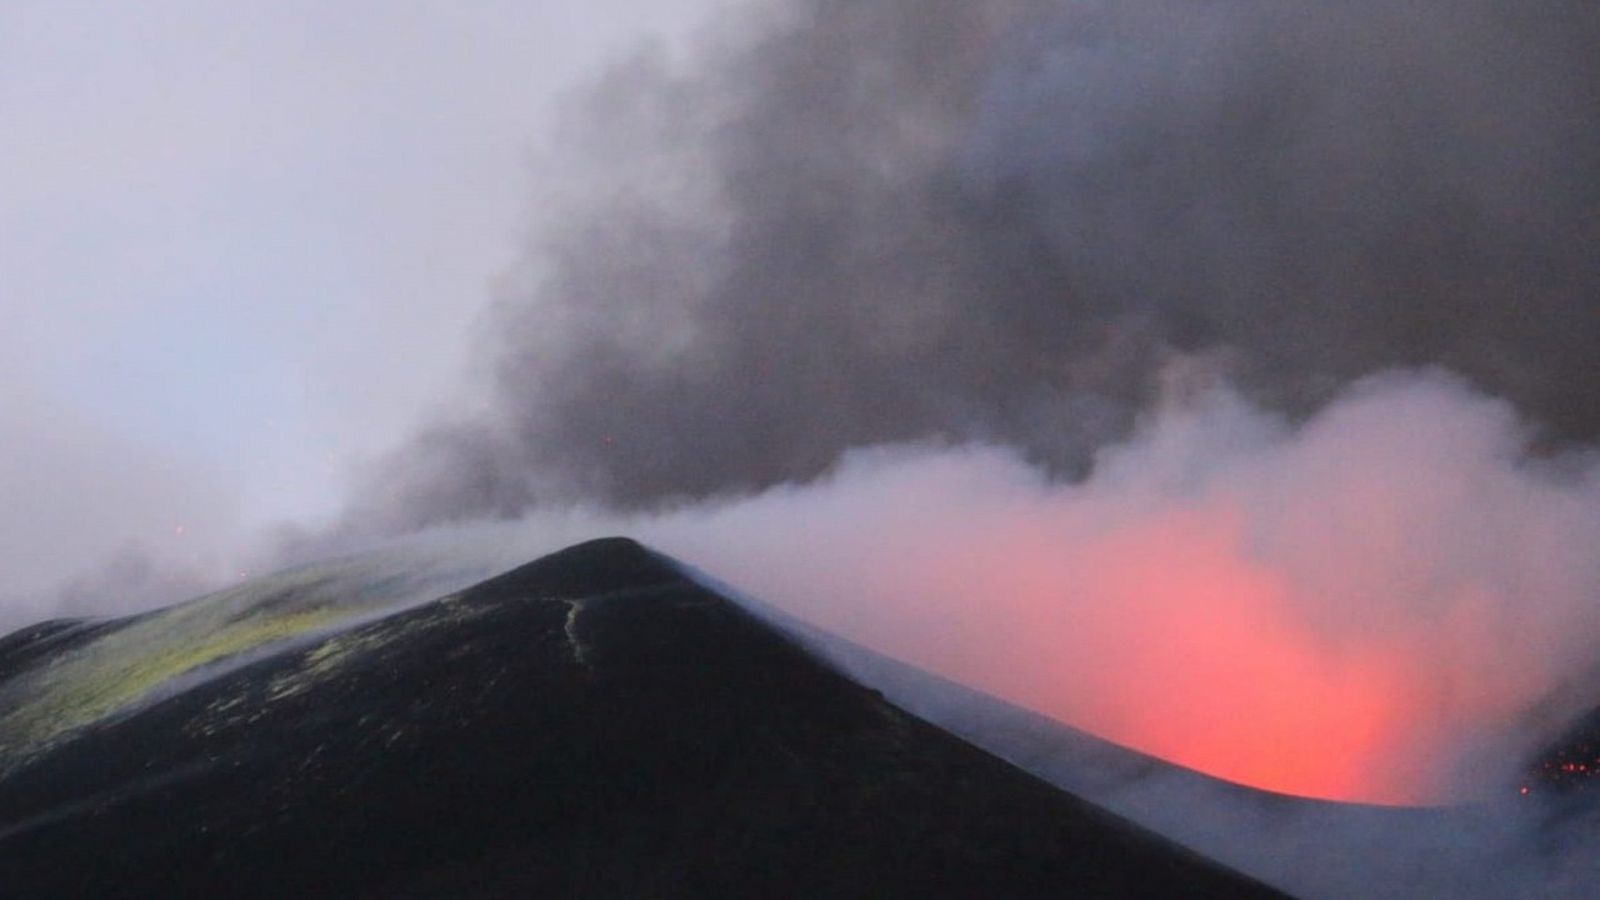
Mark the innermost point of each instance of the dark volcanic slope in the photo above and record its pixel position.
(589, 725)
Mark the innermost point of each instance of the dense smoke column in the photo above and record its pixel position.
(1327, 190)
(932, 219)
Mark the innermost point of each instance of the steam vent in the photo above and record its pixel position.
(592, 724)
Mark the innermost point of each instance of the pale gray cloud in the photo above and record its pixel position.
(242, 244)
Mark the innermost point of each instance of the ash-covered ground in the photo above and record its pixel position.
(593, 724)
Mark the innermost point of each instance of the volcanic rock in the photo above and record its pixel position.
(592, 724)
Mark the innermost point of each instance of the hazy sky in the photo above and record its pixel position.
(241, 243)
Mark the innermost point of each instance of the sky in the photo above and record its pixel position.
(242, 245)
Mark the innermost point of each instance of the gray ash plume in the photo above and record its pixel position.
(947, 220)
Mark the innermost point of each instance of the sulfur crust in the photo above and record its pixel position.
(118, 671)
(92, 688)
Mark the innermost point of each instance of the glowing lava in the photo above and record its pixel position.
(1367, 606)
(1192, 654)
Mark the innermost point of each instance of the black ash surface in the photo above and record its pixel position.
(592, 724)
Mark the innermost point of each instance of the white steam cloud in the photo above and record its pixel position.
(1391, 602)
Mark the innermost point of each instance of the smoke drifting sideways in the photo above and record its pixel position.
(1390, 602)
(852, 224)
